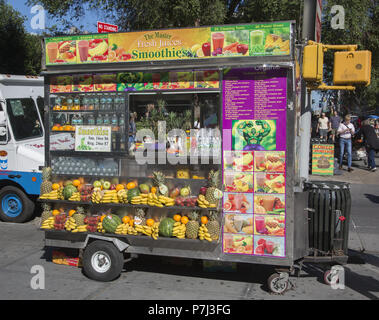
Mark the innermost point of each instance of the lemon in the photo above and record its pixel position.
(200, 52)
(195, 47)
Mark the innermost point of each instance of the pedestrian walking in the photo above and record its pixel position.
(371, 143)
(346, 131)
(334, 123)
(323, 126)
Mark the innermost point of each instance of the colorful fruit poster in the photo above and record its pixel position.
(254, 161)
(105, 82)
(83, 83)
(60, 84)
(60, 50)
(92, 48)
(207, 79)
(323, 159)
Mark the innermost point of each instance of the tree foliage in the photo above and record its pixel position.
(21, 52)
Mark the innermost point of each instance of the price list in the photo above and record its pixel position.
(238, 99)
(269, 98)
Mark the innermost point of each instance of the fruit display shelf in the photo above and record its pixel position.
(122, 205)
(138, 241)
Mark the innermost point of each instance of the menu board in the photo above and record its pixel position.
(254, 161)
(261, 39)
(323, 159)
(93, 138)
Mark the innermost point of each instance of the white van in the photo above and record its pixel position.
(21, 145)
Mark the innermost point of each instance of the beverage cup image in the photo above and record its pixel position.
(3, 160)
(268, 202)
(259, 224)
(83, 47)
(218, 40)
(52, 51)
(256, 38)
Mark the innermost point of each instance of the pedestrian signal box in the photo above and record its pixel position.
(352, 67)
(313, 60)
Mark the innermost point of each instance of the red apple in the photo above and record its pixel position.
(242, 48)
(206, 49)
(203, 190)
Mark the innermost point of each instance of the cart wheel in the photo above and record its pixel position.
(102, 261)
(278, 283)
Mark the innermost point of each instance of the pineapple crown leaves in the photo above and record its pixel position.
(214, 178)
(193, 215)
(213, 215)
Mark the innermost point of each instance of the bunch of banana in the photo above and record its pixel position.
(179, 230)
(155, 230)
(75, 197)
(132, 231)
(96, 195)
(167, 201)
(110, 196)
(141, 199)
(153, 200)
(122, 229)
(204, 234)
(146, 230)
(60, 193)
(48, 223)
(52, 195)
(122, 196)
(100, 227)
(203, 203)
(82, 228)
(70, 224)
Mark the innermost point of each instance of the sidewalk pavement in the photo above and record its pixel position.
(360, 175)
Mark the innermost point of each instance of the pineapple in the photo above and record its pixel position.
(46, 213)
(213, 225)
(159, 182)
(192, 226)
(79, 216)
(139, 217)
(213, 193)
(46, 185)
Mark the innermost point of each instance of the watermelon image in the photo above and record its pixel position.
(166, 226)
(111, 222)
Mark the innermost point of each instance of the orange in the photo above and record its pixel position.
(102, 217)
(130, 185)
(131, 222)
(76, 183)
(153, 190)
(125, 219)
(71, 212)
(55, 128)
(177, 217)
(119, 187)
(56, 212)
(150, 222)
(55, 186)
(204, 219)
(111, 55)
(184, 220)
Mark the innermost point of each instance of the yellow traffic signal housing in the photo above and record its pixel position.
(352, 67)
(313, 60)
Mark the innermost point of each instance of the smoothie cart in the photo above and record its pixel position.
(184, 143)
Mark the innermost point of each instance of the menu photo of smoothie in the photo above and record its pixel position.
(239, 223)
(269, 182)
(61, 52)
(270, 161)
(238, 202)
(238, 182)
(93, 50)
(239, 161)
(230, 43)
(270, 246)
(269, 225)
(237, 243)
(270, 40)
(269, 204)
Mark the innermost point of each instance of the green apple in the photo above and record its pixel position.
(106, 185)
(97, 184)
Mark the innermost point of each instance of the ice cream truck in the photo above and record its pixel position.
(21, 145)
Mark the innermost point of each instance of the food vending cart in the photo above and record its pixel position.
(183, 144)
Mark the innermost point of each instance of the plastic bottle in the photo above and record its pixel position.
(99, 120)
(106, 120)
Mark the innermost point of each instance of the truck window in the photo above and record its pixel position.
(23, 117)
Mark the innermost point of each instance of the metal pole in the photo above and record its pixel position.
(308, 33)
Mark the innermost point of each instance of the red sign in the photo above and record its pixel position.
(106, 27)
(318, 21)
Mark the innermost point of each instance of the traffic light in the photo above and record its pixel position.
(313, 60)
(352, 67)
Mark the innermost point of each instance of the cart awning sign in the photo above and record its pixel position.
(93, 138)
(264, 39)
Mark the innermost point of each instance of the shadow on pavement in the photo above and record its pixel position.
(372, 198)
